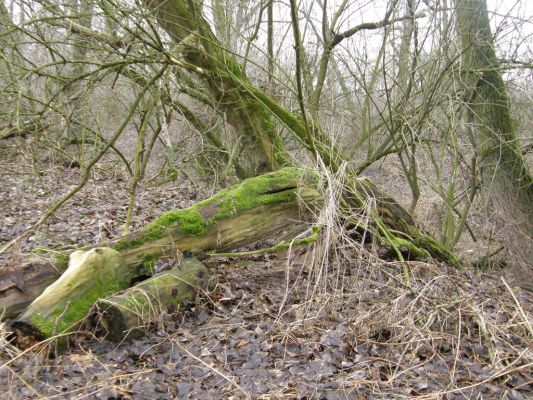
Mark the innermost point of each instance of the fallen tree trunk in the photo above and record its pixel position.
(252, 210)
(90, 275)
(256, 209)
(129, 314)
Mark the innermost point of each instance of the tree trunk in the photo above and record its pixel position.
(129, 314)
(184, 22)
(504, 172)
(75, 91)
(256, 209)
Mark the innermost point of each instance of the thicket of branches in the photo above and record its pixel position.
(106, 83)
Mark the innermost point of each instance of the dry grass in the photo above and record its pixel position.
(460, 317)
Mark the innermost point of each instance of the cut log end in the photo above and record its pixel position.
(90, 275)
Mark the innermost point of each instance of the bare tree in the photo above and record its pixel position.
(505, 175)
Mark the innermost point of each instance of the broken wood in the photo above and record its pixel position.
(129, 314)
(255, 209)
(90, 275)
(19, 287)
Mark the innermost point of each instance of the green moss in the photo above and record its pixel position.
(270, 188)
(436, 249)
(148, 264)
(62, 319)
(137, 302)
(187, 222)
(60, 257)
(47, 325)
(407, 246)
(275, 187)
(313, 237)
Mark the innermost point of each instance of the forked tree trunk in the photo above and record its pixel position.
(506, 177)
(183, 20)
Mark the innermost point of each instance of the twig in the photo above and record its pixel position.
(522, 313)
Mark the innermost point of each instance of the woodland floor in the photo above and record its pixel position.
(273, 327)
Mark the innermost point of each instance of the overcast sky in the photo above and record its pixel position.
(512, 21)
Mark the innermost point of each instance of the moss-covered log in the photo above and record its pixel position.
(90, 275)
(395, 225)
(255, 209)
(129, 314)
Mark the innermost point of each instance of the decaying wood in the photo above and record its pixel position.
(256, 209)
(90, 275)
(19, 287)
(129, 314)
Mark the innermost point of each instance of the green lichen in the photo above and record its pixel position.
(274, 187)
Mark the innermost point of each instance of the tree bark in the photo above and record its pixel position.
(505, 174)
(130, 314)
(77, 105)
(184, 22)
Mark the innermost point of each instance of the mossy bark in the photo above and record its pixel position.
(395, 225)
(130, 314)
(184, 22)
(90, 275)
(252, 210)
(505, 174)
